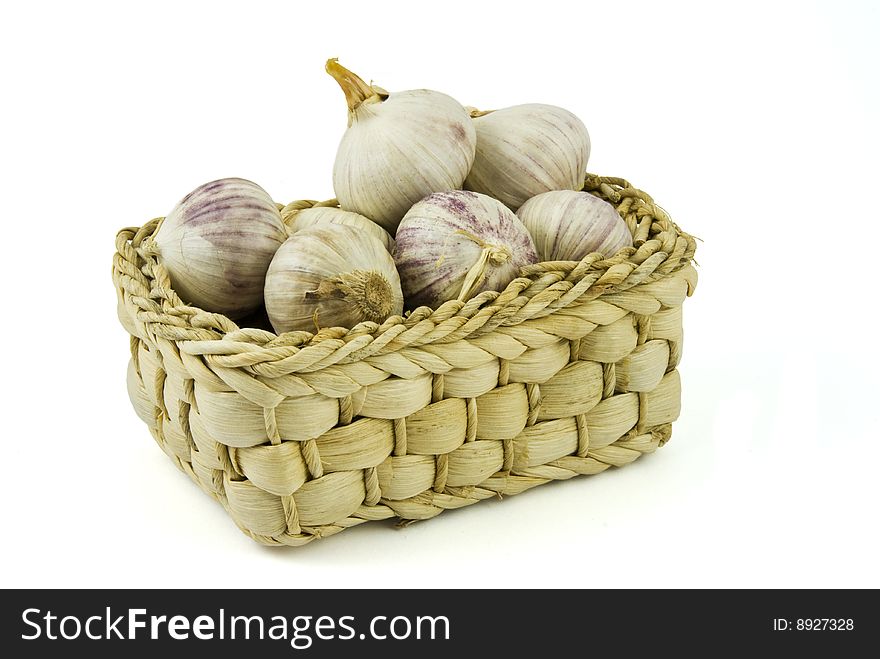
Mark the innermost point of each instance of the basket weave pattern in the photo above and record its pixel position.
(571, 369)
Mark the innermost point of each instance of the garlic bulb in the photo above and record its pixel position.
(323, 215)
(331, 276)
(525, 150)
(398, 148)
(217, 243)
(567, 225)
(455, 244)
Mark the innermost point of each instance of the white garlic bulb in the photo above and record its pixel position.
(217, 243)
(567, 225)
(398, 148)
(323, 215)
(525, 150)
(331, 276)
(455, 244)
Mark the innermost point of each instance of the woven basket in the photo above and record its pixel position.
(569, 370)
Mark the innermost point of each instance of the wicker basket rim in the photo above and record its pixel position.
(660, 250)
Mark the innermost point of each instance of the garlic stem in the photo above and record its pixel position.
(355, 89)
(369, 291)
(491, 254)
(475, 113)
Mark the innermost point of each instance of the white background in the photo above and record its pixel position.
(753, 124)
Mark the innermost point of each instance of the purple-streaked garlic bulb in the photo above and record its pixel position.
(398, 148)
(567, 225)
(217, 243)
(331, 276)
(323, 215)
(455, 244)
(525, 150)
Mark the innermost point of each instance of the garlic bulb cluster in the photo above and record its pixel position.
(398, 148)
(525, 150)
(455, 244)
(404, 229)
(323, 215)
(331, 276)
(568, 225)
(217, 242)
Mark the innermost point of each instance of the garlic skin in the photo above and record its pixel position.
(323, 215)
(217, 243)
(525, 150)
(398, 148)
(455, 244)
(567, 225)
(331, 276)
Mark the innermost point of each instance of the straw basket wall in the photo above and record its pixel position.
(568, 371)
